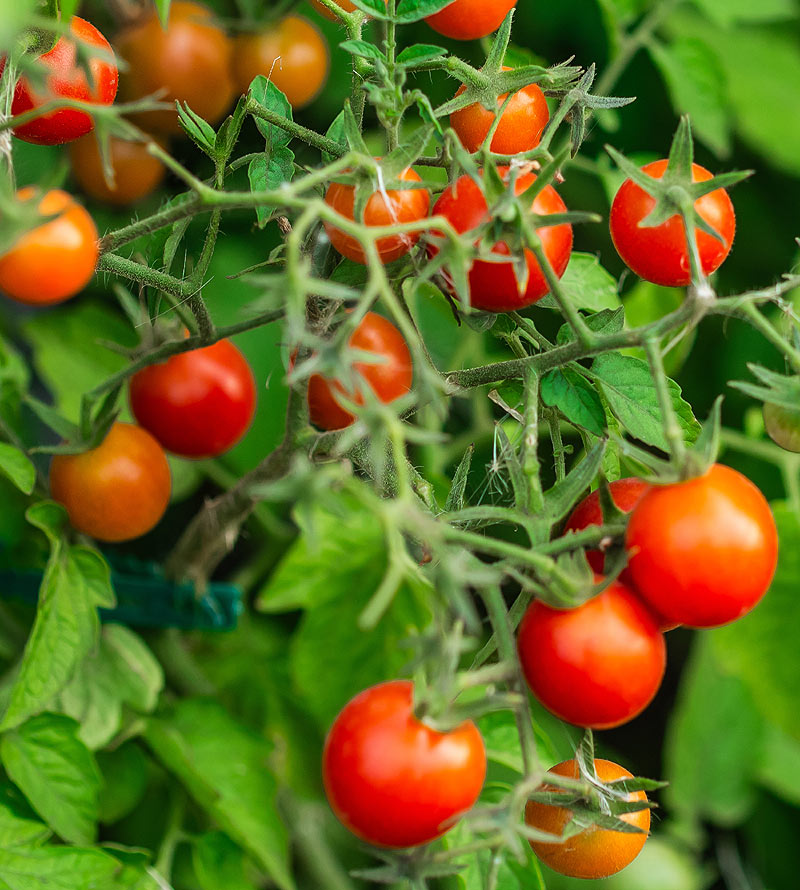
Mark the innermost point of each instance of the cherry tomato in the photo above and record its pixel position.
(703, 552)
(783, 426)
(598, 665)
(494, 287)
(66, 79)
(389, 380)
(403, 206)
(137, 173)
(190, 59)
(117, 491)
(392, 780)
(54, 261)
(520, 127)
(470, 19)
(292, 54)
(660, 253)
(346, 5)
(197, 404)
(594, 852)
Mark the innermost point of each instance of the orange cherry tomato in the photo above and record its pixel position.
(594, 852)
(382, 209)
(470, 19)
(137, 173)
(190, 59)
(703, 552)
(117, 491)
(346, 5)
(389, 379)
(66, 79)
(57, 259)
(521, 124)
(293, 54)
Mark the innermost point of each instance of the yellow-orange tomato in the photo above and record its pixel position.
(594, 852)
(190, 59)
(382, 209)
(346, 5)
(57, 259)
(292, 54)
(117, 491)
(137, 173)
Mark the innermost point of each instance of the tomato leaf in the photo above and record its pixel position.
(575, 398)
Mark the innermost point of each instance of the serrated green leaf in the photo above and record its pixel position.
(575, 398)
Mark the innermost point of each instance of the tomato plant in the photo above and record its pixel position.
(346, 5)
(137, 173)
(55, 260)
(394, 781)
(116, 491)
(65, 78)
(470, 19)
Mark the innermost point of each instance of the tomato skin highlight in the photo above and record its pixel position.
(197, 404)
(66, 79)
(598, 665)
(137, 173)
(521, 124)
(292, 54)
(393, 781)
(57, 259)
(190, 59)
(703, 552)
(494, 287)
(470, 19)
(783, 426)
(117, 491)
(389, 380)
(660, 253)
(404, 206)
(594, 852)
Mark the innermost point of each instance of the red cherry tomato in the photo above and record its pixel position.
(117, 491)
(660, 253)
(470, 19)
(389, 379)
(54, 261)
(703, 552)
(137, 173)
(392, 780)
(66, 79)
(190, 59)
(494, 287)
(402, 206)
(197, 404)
(594, 852)
(520, 127)
(598, 665)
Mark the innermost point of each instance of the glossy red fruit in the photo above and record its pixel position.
(660, 253)
(66, 79)
(392, 780)
(703, 552)
(197, 404)
(598, 665)
(494, 287)
(470, 19)
(388, 380)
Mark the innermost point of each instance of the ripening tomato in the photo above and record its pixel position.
(392, 780)
(384, 208)
(389, 379)
(703, 552)
(783, 426)
(494, 287)
(598, 665)
(197, 404)
(346, 5)
(292, 54)
(521, 124)
(190, 59)
(66, 79)
(660, 253)
(594, 852)
(117, 491)
(57, 259)
(137, 173)
(470, 19)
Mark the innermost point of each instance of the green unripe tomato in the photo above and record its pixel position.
(783, 426)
